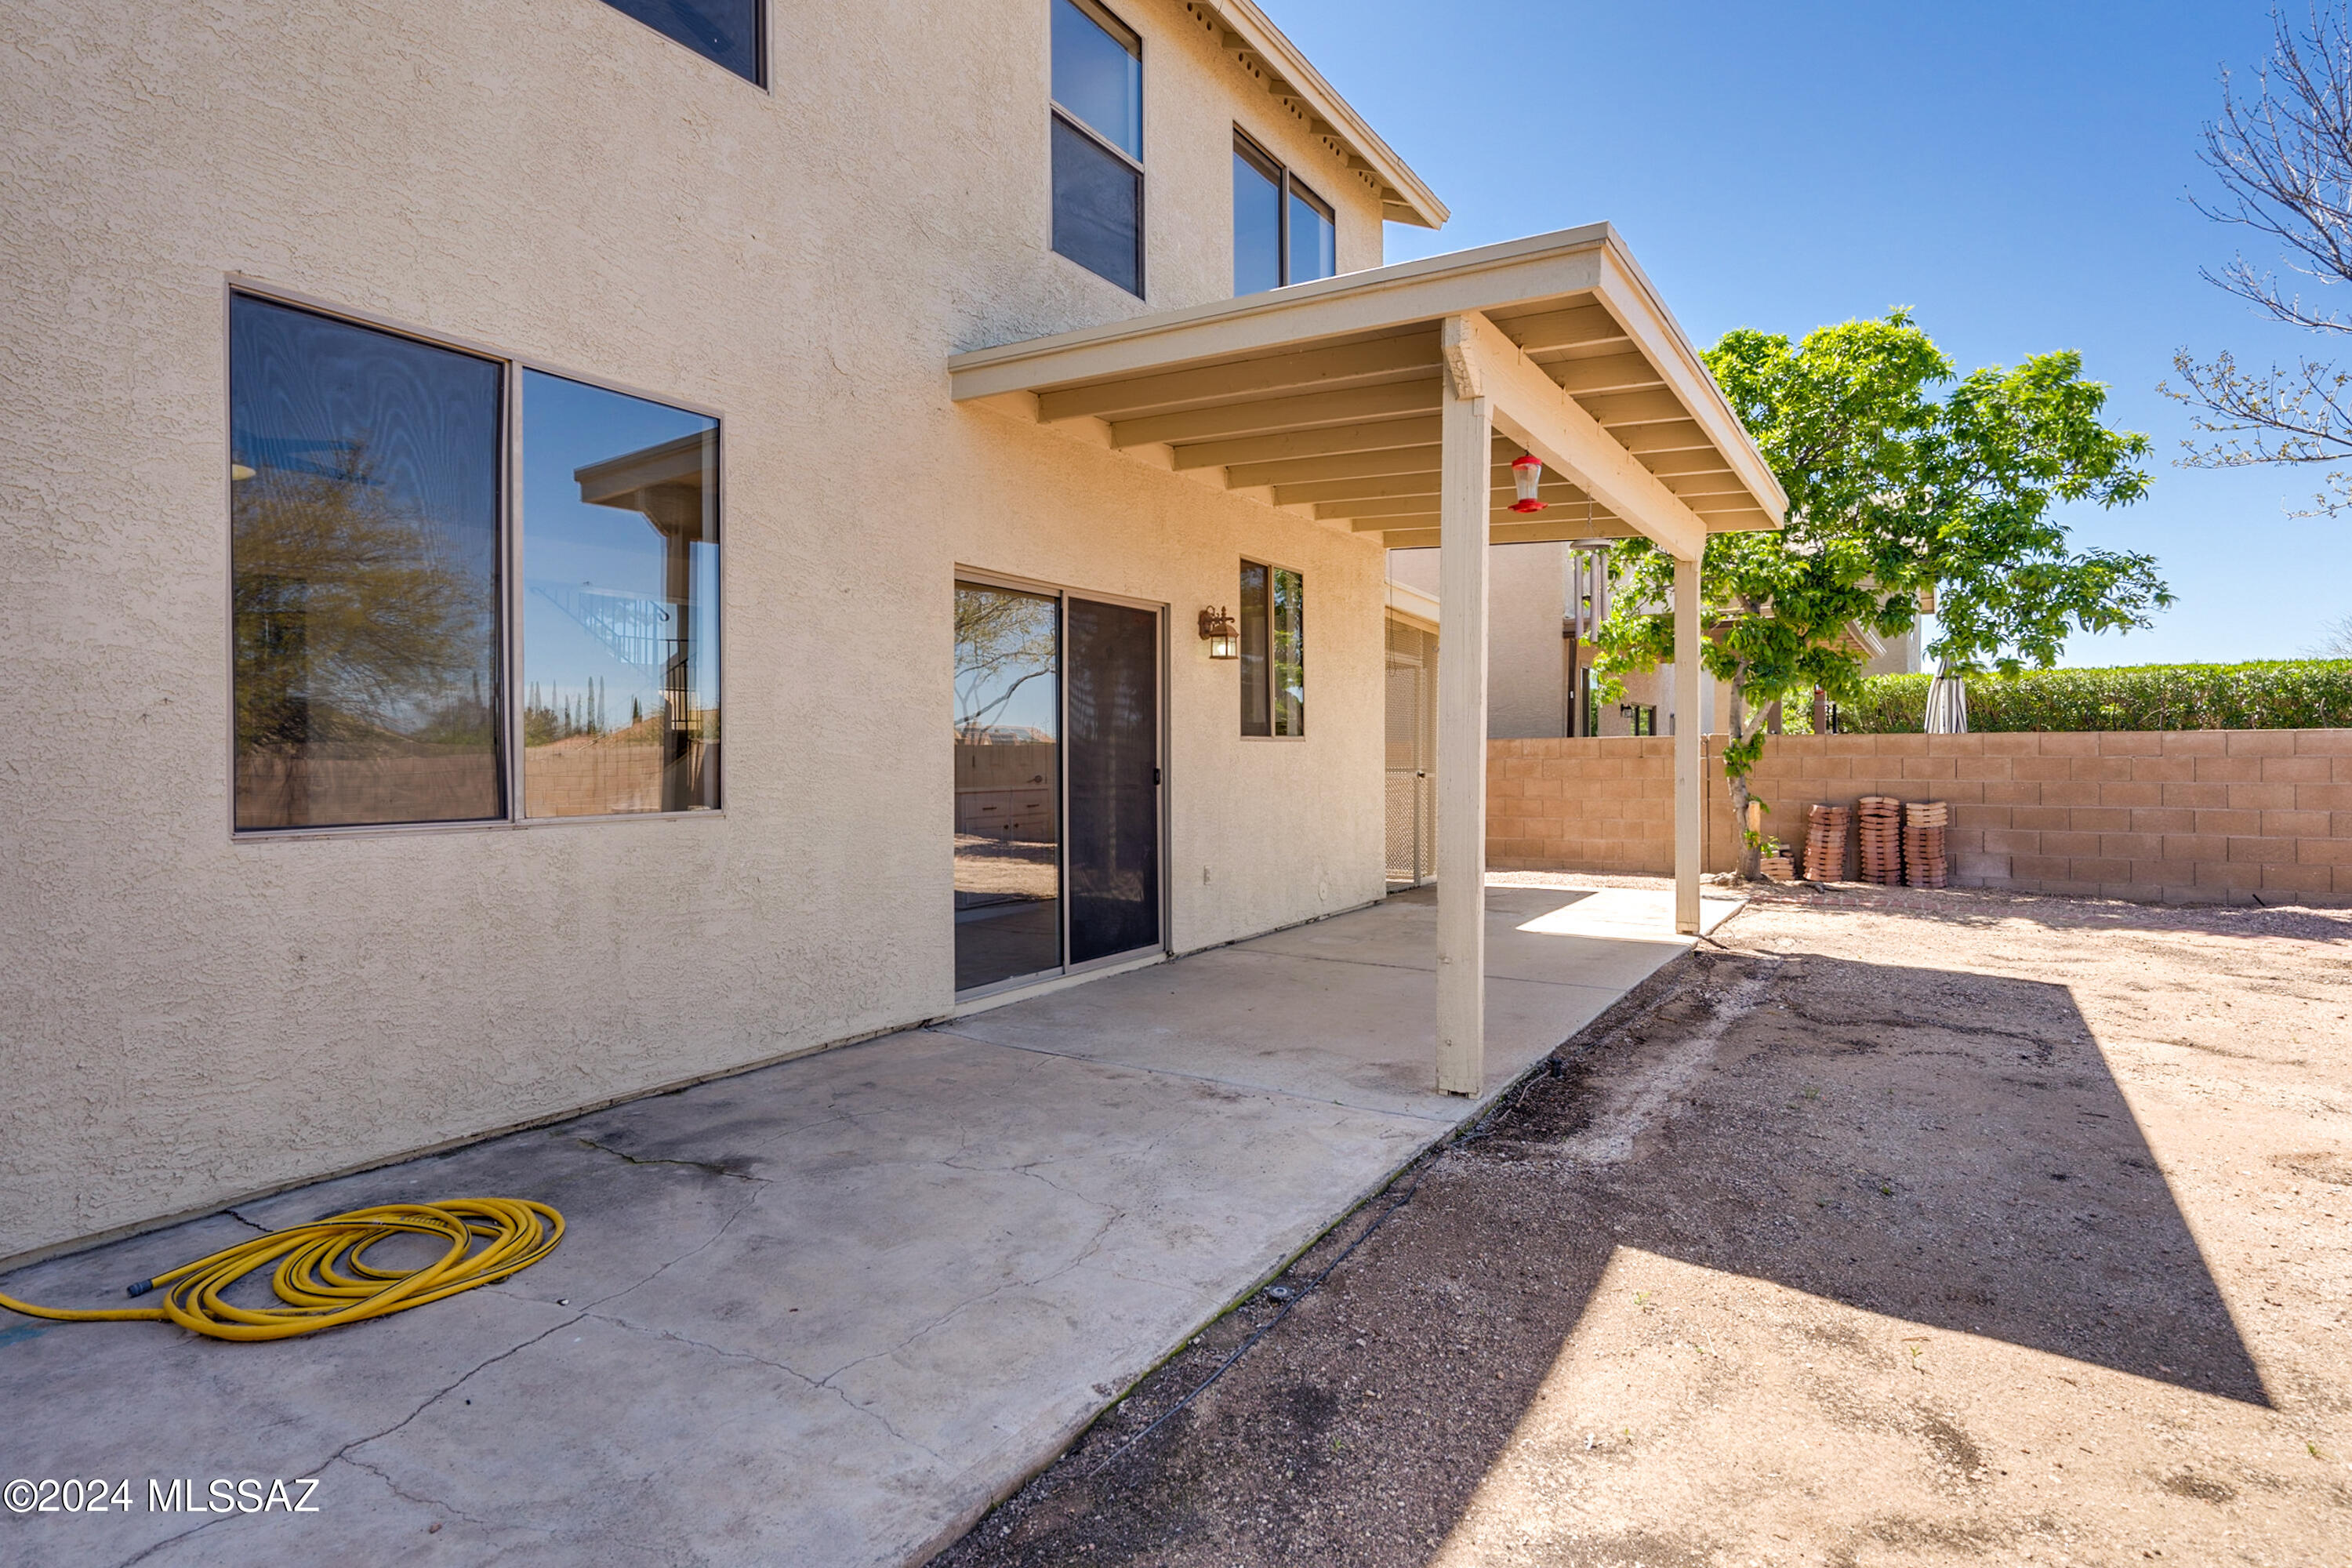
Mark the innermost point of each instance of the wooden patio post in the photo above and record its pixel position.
(1688, 730)
(1467, 433)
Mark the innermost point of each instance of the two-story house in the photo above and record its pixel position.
(562, 547)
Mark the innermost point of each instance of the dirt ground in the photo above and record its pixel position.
(1892, 1227)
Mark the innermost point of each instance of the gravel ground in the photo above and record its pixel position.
(1891, 1228)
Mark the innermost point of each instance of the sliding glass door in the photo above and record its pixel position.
(1057, 782)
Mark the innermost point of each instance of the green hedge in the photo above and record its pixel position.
(2283, 694)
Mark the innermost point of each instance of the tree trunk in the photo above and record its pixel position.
(1749, 855)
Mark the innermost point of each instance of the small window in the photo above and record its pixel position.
(1282, 232)
(1274, 651)
(724, 32)
(1098, 135)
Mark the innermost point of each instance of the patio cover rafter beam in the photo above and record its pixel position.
(1534, 410)
(1339, 381)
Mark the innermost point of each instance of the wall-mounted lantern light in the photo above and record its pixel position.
(1527, 473)
(1218, 630)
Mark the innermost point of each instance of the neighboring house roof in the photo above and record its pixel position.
(1326, 396)
(1245, 33)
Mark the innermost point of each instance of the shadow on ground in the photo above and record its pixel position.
(1947, 1149)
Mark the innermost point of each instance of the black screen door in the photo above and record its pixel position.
(1111, 667)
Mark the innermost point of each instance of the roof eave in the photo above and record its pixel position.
(1406, 198)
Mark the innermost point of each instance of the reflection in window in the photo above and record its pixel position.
(1288, 661)
(1257, 714)
(724, 32)
(1314, 239)
(1274, 651)
(1008, 876)
(1098, 74)
(1282, 232)
(1098, 141)
(620, 569)
(1258, 221)
(364, 558)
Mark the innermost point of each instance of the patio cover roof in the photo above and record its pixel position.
(1326, 396)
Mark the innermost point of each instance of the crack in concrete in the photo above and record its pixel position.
(705, 1166)
(435, 1398)
(242, 1220)
(441, 1505)
(711, 1240)
(1093, 1245)
(790, 1370)
(345, 1453)
(954, 1163)
(150, 1551)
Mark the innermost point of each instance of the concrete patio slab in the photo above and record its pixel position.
(820, 1313)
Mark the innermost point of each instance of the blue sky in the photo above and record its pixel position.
(2017, 173)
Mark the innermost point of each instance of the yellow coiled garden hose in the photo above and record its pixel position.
(323, 1277)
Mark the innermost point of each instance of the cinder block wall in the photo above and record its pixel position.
(2189, 817)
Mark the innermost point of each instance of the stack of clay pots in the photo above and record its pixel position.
(1825, 831)
(1925, 862)
(1882, 840)
(1777, 867)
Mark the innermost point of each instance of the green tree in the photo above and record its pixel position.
(1894, 492)
(348, 623)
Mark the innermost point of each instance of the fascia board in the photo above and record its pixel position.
(1634, 301)
(1410, 293)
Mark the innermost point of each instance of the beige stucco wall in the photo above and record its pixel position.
(186, 1017)
(1526, 673)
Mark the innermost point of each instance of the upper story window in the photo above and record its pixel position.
(724, 32)
(1282, 232)
(1098, 124)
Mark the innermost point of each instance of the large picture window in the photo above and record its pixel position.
(1282, 232)
(724, 32)
(370, 538)
(1097, 135)
(1274, 651)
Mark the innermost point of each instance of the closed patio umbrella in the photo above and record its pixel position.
(1947, 703)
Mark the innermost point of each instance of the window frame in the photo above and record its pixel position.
(1111, 24)
(1287, 185)
(761, 29)
(993, 991)
(509, 589)
(1270, 567)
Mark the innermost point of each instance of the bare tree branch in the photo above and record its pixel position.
(2284, 158)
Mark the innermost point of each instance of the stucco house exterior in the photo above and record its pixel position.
(566, 547)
